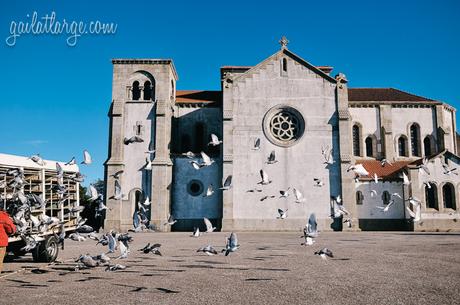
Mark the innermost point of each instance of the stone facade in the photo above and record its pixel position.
(294, 108)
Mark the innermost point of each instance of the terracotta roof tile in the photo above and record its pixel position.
(386, 172)
(198, 97)
(383, 94)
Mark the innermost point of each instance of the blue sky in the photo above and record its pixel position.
(55, 98)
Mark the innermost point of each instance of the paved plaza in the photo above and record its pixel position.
(269, 268)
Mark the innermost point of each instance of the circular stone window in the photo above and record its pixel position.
(195, 187)
(283, 125)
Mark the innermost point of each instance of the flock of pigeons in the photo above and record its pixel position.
(26, 210)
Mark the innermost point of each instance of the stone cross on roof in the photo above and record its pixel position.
(283, 42)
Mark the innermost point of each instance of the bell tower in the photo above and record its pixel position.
(140, 122)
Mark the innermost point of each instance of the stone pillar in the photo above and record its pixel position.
(348, 184)
(114, 164)
(227, 166)
(162, 167)
(388, 147)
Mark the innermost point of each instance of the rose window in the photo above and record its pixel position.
(283, 125)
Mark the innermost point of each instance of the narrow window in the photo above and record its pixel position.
(359, 198)
(356, 140)
(172, 89)
(386, 197)
(431, 197)
(427, 146)
(284, 65)
(448, 196)
(415, 140)
(369, 148)
(147, 91)
(402, 146)
(138, 128)
(199, 137)
(136, 91)
(185, 143)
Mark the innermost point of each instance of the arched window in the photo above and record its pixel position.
(427, 146)
(137, 197)
(356, 140)
(199, 137)
(415, 139)
(369, 147)
(402, 146)
(386, 197)
(185, 143)
(136, 91)
(284, 65)
(147, 91)
(431, 196)
(448, 196)
(359, 198)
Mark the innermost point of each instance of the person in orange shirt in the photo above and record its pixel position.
(6, 228)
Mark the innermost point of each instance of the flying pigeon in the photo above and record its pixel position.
(358, 169)
(282, 214)
(232, 244)
(146, 201)
(448, 171)
(209, 227)
(376, 178)
(384, 162)
(324, 253)
(256, 144)
(148, 165)
(326, 151)
(299, 198)
(93, 193)
(209, 250)
(117, 174)
(189, 155)
(209, 191)
(227, 184)
(59, 171)
(405, 179)
(387, 207)
(154, 249)
(318, 182)
(214, 140)
(206, 160)
(310, 231)
(124, 250)
(71, 162)
(196, 232)
(267, 197)
(272, 158)
(265, 179)
(416, 205)
(285, 193)
(86, 158)
(171, 220)
(424, 166)
(133, 139)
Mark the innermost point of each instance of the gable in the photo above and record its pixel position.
(279, 55)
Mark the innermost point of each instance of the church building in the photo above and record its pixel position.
(296, 124)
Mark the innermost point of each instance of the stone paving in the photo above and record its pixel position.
(269, 268)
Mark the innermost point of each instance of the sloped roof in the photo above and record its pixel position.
(198, 97)
(8, 160)
(383, 94)
(293, 56)
(389, 171)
